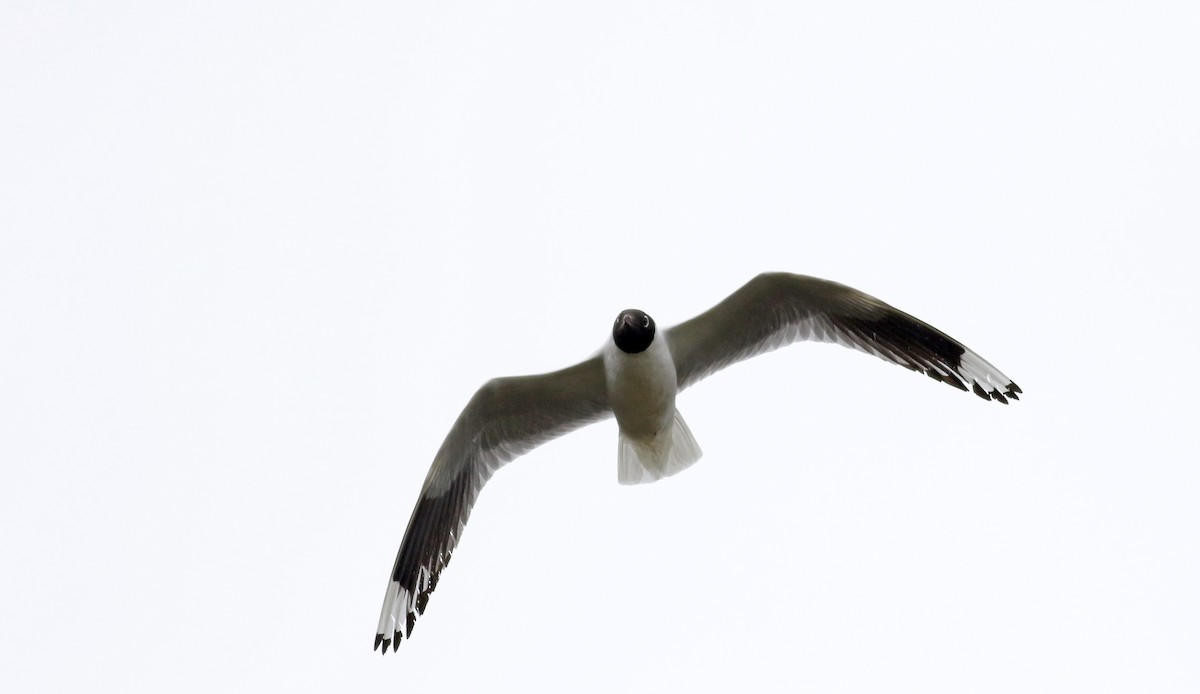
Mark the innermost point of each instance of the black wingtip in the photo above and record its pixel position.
(978, 389)
(998, 397)
(409, 624)
(378, 640)
(948, 379)
(396, 642)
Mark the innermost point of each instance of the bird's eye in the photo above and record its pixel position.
(646, 322)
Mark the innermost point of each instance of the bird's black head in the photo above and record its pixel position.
(633, 331)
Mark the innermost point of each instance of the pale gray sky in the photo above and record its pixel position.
(255, 257)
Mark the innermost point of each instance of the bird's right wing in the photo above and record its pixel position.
(506, 418)
(777, 309)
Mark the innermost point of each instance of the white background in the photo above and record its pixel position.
(254, 258)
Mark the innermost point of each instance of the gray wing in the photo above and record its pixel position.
(506, 418)
(777, 309)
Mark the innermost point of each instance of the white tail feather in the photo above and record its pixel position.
(669, 452)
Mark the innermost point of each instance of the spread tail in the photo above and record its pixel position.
(671, 451)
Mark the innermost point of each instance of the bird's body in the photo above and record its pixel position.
(641, 388)
(635, 378)
(653, 440)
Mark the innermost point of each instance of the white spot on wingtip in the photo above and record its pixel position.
(387, 616)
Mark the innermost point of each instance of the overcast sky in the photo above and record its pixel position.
(255, 258)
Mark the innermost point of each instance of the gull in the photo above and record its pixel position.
(635, 377)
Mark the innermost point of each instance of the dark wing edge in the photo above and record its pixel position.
(776, 309)
(506, 418)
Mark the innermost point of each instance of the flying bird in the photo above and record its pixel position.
(635, 377)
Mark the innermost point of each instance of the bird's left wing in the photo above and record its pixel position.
(777, 309)
(506, 418)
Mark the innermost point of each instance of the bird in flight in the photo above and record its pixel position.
(635, 377)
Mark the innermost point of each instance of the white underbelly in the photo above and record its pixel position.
(641, 389)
